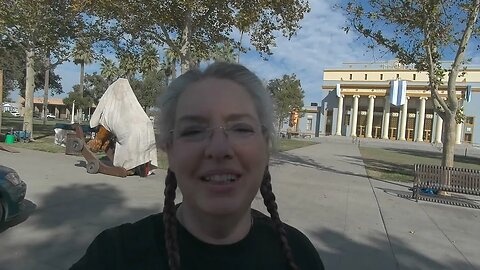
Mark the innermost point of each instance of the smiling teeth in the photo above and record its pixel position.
(221, 178)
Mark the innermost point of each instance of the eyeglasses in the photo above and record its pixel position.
(238, 132)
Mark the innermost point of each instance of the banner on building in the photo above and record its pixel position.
(402, 93)
(398, 92)
(468, 93)
(393, 91)
(339, 90)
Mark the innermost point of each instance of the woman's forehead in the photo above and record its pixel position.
(215, 97)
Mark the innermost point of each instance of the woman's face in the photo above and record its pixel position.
(219, 152)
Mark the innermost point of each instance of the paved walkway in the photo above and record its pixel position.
(355, 222)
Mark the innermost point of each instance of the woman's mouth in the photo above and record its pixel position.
(220, 178)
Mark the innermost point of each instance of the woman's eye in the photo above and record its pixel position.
(242, 128)
(191, 132)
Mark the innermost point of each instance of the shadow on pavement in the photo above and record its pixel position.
(286, 158)
(341, 252)
(383, 166)
(65, 223)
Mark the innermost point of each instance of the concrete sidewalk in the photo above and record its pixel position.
(355, 222)
(359, 223)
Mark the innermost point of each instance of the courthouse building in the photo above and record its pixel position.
(388, 100)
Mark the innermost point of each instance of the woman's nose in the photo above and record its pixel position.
(218, 145)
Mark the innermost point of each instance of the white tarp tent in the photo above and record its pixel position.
(120, 113)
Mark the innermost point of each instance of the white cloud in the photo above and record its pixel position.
(320, 43)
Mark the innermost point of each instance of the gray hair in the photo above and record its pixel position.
(239, 74)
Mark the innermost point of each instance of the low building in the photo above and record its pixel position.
(362, 102)
(307, 123)
(9, 107)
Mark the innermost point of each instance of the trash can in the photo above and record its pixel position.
(70, 149)
(9, 139)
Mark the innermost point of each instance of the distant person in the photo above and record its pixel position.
(216, 128)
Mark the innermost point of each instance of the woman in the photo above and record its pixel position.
(216, 128)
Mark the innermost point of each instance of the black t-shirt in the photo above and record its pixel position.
(142, 246)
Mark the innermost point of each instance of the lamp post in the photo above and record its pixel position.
(73, 112)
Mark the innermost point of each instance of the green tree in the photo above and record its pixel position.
(37, 27)
(129, 64)
(224, 53)
(95, 86)
(287, 95)
(194, 27)
(149, 60)
(109, 70)
(81, 101)
(423, 33)
(147, 90)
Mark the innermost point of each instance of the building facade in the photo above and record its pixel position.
(359, 103)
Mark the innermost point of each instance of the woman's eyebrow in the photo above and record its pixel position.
(201, 119)
(192, 118)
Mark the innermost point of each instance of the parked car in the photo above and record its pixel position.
(12, 193)
(52, 116)
(16, 114)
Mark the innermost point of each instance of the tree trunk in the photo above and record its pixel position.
(173, 67)
(82, 81)
(1, 98)
(29, 87)
(45, 89)
(449, 139)
(185, 50)
(239, 51)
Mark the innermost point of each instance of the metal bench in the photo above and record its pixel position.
(449, 179)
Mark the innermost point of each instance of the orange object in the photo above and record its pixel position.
(101, 141)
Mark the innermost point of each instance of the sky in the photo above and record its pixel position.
(319, 44)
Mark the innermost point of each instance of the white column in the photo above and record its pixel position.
(371, 107)
(421, 119)
(339, 116)
(386, 118)
(458, 134)
(403, 123)
(354, 116)
(438, 132)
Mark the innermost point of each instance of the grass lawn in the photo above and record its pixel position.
(397, 164)
(286, 144)
(44, 138)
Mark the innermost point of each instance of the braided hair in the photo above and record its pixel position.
(170, 221)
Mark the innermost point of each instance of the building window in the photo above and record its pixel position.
(381, 77)
(347, 119)
(414, 77)
(309, 124)
(351, 76)
(366, 76)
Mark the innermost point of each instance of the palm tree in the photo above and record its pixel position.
(223, 52)
(108, 70)
(128, 65)
(82, 55)
(149, 59)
